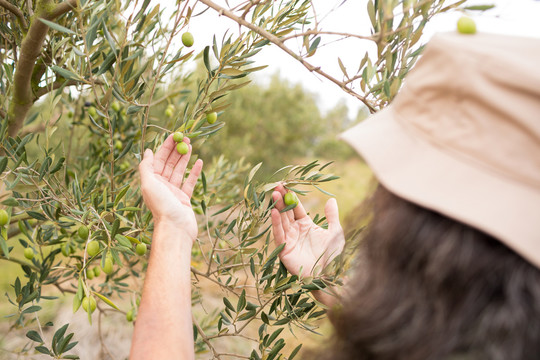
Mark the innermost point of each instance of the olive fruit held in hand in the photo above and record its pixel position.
(211, 117)
(187, 39)
(129, 315)
(182, 148)
(83, 232)
(140, 249)
(89, 304)
(466, 25)
(108, 266)
(29, 253)
(92, 111)
(290, 198)
(178, 136)
(93, 248)
(4, 217)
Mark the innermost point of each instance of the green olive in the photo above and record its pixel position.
(29, 253)
(140, 249)
(97, 271)
(115, 106)
(118, 145)
(92, 248)
(70, 114)
(108, 267)
(92, 111)
(169, 113)
(466, 25)
(187, 39)
(290, 198)
(89, 304)
(211, 117)
(182, 148)
(90, 274)
(178, 136)
(83, 232)
(66, 249)
(129, 315)
(4, 217)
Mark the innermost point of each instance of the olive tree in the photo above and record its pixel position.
(87, 85)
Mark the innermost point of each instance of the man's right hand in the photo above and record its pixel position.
(307, 246)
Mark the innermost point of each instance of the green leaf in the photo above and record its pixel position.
(31, 309)
(106, 300)
(207, 59)
(241, 302)
(65, 73)
(295, 352)
(57, 27)
(121, 194)
(3, 163)
(34, 336)
(228, 304)
(43, 350)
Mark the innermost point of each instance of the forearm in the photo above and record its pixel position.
(164, 329)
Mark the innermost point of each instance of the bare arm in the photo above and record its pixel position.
(164, 329)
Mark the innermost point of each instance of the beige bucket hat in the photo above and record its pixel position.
(463, 136)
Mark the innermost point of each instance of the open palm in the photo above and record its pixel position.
(163, 191)
(308, 247)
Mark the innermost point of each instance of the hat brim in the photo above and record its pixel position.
(417, 170)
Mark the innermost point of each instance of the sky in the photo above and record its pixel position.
(512, 17)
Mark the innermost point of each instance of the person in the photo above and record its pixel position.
(449, 265)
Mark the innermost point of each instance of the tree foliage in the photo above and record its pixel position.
(107, 69)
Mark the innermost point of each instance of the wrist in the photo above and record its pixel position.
(173, 228)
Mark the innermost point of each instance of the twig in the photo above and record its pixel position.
(15, 11)
(279, 43)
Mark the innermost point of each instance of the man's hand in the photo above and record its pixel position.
(307, 245)
(162, 188)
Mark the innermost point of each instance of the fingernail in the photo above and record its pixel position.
(147, 152)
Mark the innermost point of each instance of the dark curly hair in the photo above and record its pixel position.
(429, 287)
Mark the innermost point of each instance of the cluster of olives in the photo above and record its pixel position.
(181, 146)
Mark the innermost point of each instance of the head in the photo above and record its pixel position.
(429, 287)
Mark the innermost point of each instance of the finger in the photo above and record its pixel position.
(277, 227)
(146, 166)
(298, 211)
(170, 164)
(282, 191)
(162, 154)
(191, 181)
(183, 163)
(280, 205)
(332, 214)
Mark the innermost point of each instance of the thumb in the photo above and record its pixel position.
(147, 164)
(332, 214)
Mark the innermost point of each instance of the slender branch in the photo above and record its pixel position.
(16, 11)
(279, 43)
(20, 262)
(316, 32)
(55, 85)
